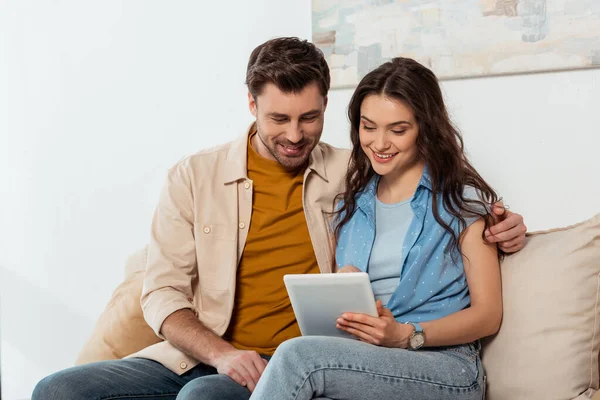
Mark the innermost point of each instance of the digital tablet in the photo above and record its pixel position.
(319, 300)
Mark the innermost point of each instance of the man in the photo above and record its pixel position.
(230, 223)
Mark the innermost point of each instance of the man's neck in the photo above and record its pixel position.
(260, 148)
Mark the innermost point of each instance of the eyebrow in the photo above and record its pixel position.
(392, 124)
(306, 114)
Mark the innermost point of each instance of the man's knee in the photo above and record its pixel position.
(213, 387)
(56, 386)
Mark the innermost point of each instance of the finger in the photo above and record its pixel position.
(516, 233)
(379, 305)
(360, 318)
(249, 374)
(259, 365)
(511, 243)
(513, 249)
(367, 329)
(512, 220)
(358, 334)
(387, 312)
(236, 376)
(266, 362)
(254, 373)
(498, 209)
(348, 268)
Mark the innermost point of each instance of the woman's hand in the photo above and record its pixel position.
(381, 331)
(348, 268)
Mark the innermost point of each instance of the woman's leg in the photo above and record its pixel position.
(309, 367)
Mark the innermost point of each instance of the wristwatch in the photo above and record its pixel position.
(417, 340)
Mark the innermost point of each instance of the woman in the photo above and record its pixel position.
(413, 216)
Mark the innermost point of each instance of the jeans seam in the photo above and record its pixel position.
(474, 385)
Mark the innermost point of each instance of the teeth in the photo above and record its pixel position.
(384, 155)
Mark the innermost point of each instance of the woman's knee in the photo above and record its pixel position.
(304, 346)
(304, 350)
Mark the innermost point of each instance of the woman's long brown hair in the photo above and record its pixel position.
(439, 144)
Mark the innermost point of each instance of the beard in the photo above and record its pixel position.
(277, 148)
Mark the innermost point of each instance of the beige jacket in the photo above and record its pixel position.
(199, 232)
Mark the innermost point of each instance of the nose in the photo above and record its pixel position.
(294, 133)
(380, 141)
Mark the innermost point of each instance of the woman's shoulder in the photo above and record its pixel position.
(470, 207)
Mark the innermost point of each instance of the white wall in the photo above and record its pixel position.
(98, 99)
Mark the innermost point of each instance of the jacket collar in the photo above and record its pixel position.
(316, 162)
(236, 165)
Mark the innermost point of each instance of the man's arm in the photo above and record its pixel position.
(184, 331)
(167, 295)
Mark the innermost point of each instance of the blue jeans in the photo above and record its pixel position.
(137, 378)
(312, 366)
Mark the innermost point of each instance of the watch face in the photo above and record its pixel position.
(417, 341)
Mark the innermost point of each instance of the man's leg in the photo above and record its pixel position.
(214, 387)
(309, 367)
(133, 378)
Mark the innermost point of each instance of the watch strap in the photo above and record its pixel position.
(418, 327)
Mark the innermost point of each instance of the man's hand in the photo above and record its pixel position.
(348, 268)
(381, 331)
(509, 230)
(243, 366)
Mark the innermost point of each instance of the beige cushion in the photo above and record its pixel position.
(121, 329)
(547, 347)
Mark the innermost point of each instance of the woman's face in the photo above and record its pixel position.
(388, 134)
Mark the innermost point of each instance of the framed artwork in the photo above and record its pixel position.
(457, 38)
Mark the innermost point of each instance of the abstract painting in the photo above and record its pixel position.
(457, 38)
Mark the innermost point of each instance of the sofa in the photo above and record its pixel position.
(548, 345)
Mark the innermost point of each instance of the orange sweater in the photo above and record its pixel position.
(278, 243)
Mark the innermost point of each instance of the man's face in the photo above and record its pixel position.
(289, 125)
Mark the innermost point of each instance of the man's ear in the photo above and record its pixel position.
(252, 104)
(325, 103)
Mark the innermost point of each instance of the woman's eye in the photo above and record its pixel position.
(398, 132)
(368, 128)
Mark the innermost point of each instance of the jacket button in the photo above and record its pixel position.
(247, 185)
(207, 229)
(242, 225)
(183, 365)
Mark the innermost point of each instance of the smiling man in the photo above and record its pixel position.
(230, 223)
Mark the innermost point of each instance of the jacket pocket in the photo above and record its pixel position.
(216, 256)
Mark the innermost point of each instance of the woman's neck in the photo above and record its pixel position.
(400, 186)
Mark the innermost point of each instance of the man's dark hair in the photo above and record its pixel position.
(289, 63)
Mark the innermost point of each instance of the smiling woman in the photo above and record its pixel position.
(388, 135)
(413, 217)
